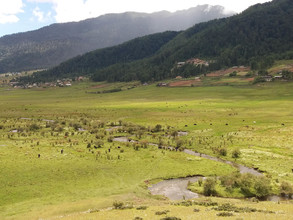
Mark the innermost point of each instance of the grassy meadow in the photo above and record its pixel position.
(59, 157)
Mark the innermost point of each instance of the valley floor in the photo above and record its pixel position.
(59, 158)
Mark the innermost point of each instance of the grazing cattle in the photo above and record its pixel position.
(283, 124)
(194, 124)
(62, 151)
(109, 150)
(39, 155)
(227, 124)
(119, 147)
(211, 123)
(186, 125)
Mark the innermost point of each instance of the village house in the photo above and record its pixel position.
(196, 62)
(278, 77)
(162, 84)
(180, 64)
(267, 78)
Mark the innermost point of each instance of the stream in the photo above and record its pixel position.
(176, 189)
(241, 168)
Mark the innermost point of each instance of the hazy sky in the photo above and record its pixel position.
(23, 15)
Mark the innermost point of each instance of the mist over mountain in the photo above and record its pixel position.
(51, 45)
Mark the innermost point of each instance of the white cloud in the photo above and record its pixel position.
(42, 1)
(39, 14)
(75, 10)
(9, 10)
(4, 19)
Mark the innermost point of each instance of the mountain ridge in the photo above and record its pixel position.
(256, 37)
(53, 44)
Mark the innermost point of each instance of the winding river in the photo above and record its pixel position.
(176, 189)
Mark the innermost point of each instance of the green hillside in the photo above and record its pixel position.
(257, 37)
(51, 45)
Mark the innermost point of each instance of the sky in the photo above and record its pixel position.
(25, 15)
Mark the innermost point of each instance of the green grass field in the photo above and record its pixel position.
(256, 119)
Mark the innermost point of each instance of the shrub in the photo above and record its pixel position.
(110, 139)
(99, 144)
(162, 212)
(170, 218)
(209, 187)
(34, 127)
(233, 74)
(286, 189)
(179, 143)
(225, 214)
(157, 128)
(230, 181)
(94, 210)
(142, 208)
(250, 74)
(76, 126)
(236, 153)
(258, 80)
(223, 151)
(262, 187)
(118, 205)
(200, 180)
(59, 129)
(246, 182)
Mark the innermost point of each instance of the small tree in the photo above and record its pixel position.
(209, 187)
(246, 182)
(262, 187)
(286, 189)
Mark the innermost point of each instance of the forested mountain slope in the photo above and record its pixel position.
(258, 36)
(49, 46)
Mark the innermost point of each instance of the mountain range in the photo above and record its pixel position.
(257, 37)
(51, 45)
